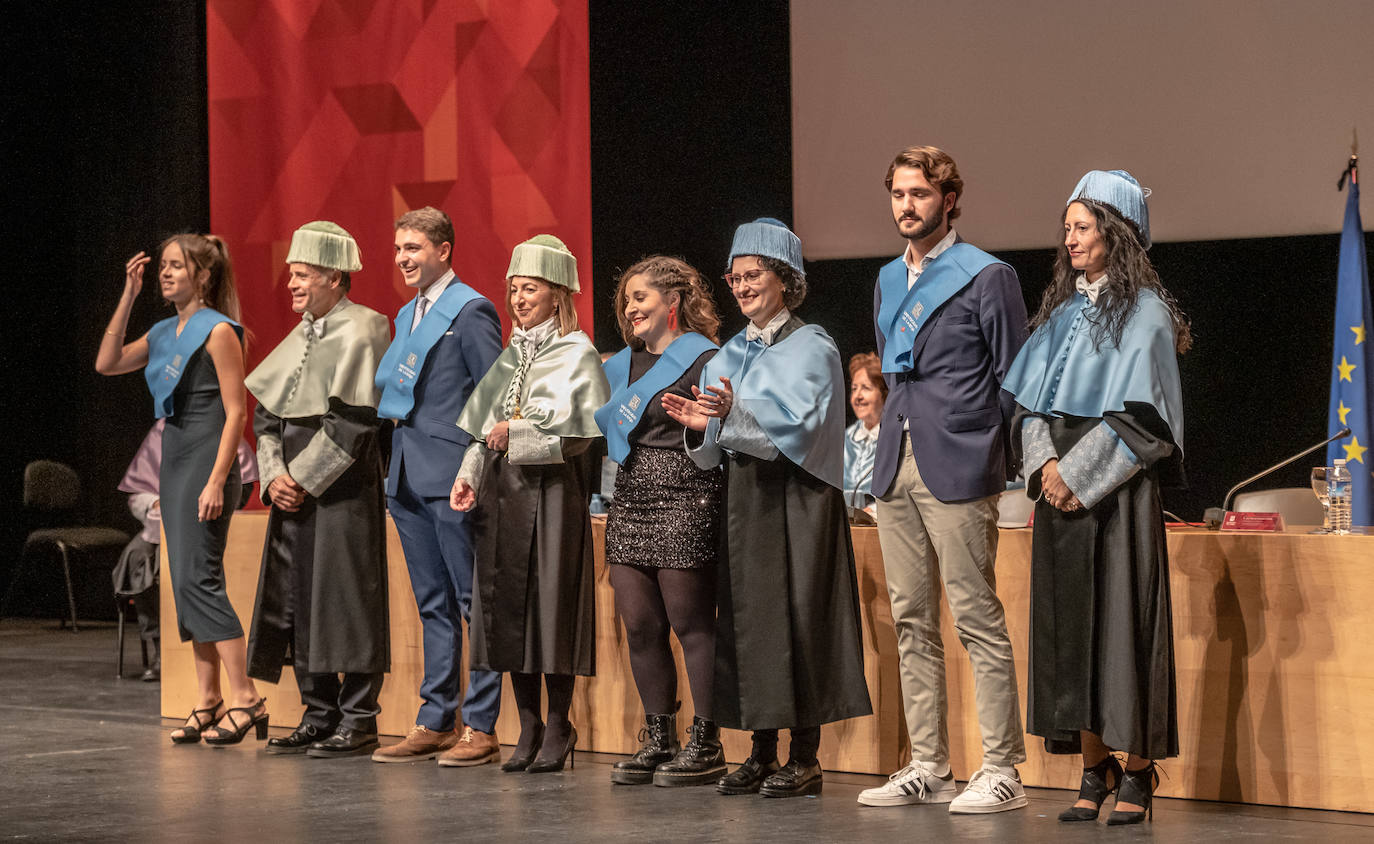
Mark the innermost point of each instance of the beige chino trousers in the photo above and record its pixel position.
(928, 543)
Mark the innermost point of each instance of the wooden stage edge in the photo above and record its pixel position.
(1275, 688)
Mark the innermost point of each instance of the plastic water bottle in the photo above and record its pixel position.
(1338, 494)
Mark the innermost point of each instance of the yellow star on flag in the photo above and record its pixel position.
(1342, 410)
(1359, 333)
(1355, 451)
(1346, 367)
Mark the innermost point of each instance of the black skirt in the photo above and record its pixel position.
(666, 511)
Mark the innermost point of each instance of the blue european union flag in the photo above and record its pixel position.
(1352, 375)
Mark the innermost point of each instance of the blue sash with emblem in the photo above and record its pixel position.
(618, 417)
(405, 357)
(168, 353)
(903, 313)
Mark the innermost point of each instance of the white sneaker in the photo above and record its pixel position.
(911, 785)
(989, 790)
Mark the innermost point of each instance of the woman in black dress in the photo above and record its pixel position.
(663, 526)
(194, 367)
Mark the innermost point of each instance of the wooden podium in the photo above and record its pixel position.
(1275, 687)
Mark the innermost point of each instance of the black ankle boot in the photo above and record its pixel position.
(1098, 782)
(762, 763)
(658, 745)
(702, 761)
(1137, 787)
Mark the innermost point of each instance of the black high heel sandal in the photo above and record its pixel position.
(1094, 787)
(516, 764)
(223, 737)
(1137, 787)
(190, 734)
(548, 765)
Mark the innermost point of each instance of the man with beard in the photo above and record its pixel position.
(950, 319)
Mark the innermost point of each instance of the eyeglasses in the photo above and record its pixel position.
(735, 279)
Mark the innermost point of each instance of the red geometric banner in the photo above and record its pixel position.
(359, 110)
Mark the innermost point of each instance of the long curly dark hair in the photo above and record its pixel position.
(1129, 271)
(696, 308)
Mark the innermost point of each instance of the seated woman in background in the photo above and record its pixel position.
(867, 395)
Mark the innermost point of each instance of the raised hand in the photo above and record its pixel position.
(686, 412)
(133, 273)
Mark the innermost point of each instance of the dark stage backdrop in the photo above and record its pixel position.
(105, 154)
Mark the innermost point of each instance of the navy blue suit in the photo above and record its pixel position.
(952, 397)
(426, 449)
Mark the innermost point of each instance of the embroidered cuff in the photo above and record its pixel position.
(319, 464)
(741, 432)
(470, 470)
(1097, 464)
(1036, 445)
(270, 463)
(529, 446)
(707, 455)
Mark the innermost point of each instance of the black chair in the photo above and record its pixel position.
(54, 490)
(124, 606)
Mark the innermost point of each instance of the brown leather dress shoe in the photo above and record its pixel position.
(422, 743)
(474, 748)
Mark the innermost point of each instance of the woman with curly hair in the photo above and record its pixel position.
(771, 411)
(1100, 423)
(663, 526)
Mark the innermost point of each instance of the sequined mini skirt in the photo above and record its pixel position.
(665, 513)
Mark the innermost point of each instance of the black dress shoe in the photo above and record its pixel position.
(298, 742)
(747, 778)
(344, 742)
(794, 779)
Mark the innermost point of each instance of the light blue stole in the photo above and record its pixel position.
(795, 391)
(1058, 372)
(168, 353)
(405, 357)
(619, 417)
(903, 313)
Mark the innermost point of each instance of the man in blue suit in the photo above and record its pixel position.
(950, 319)
(446, 338)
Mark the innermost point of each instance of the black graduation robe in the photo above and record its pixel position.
(322, 592)
(1102, 654)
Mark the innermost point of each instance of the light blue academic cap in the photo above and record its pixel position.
(1121, 191)
(770, 238)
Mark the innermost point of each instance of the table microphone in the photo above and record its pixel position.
(1213, 516)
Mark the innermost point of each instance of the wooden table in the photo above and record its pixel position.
(1275, 687)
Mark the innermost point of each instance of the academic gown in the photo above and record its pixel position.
(534, 607)
(788, 643)
(322, 592)
(1101, 656)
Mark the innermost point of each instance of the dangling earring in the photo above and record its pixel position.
(672, 318)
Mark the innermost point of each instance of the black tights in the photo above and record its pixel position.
(650, 602)
(802, 749)
(527, 701)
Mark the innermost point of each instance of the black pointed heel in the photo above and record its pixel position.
(222, 737)
(516, 764)
(191, 735)
(1137, 787)
(550, 764)
(1094, 787)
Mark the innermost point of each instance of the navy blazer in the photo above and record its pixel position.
(429, 444)
(952, 397)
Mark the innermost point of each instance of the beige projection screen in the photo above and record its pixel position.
(1238, 114)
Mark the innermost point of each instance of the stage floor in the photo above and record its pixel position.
(86, 758)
